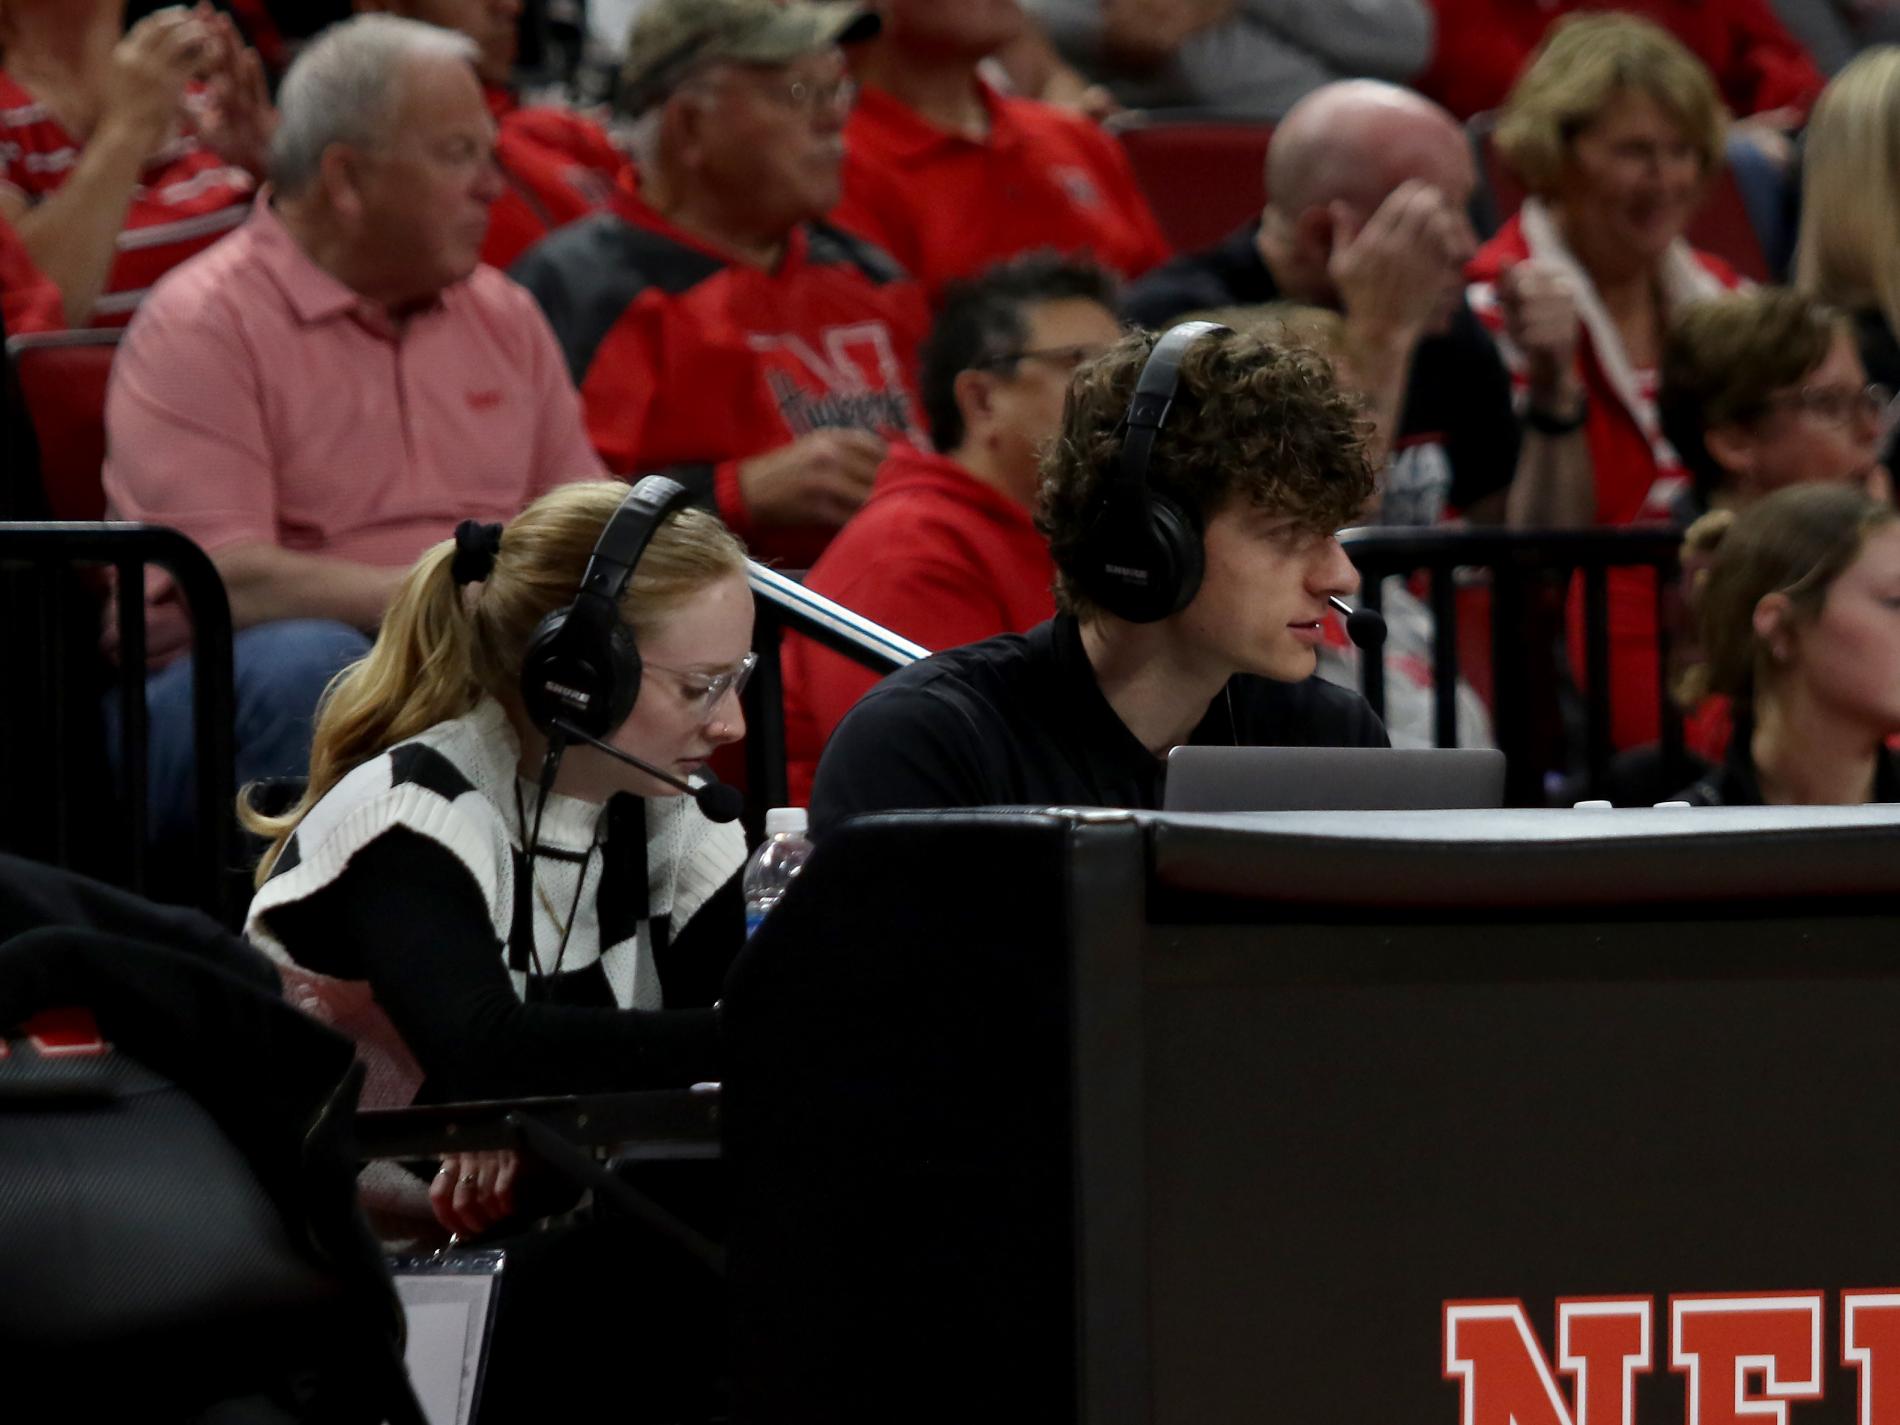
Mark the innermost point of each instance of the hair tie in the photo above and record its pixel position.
(476, 545)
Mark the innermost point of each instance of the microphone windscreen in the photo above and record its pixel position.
(719, 802)
(1366, 628)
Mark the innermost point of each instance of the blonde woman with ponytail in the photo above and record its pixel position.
(398, 895)
(1799, 612)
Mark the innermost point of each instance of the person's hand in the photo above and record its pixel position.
(1771, 134)
(474, 1191)
(1540, 318)
(150, 68)
(1144, 34)
(821, 478)
(1399, 273)
(237, 119)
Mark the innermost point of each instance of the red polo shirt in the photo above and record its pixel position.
(935, 555)
(947, 206)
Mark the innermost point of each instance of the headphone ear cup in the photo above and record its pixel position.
(572, 670)
(1178, 532)
(625, 672)
(1145, 558)
(536, 671)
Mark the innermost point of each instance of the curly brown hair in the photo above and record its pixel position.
(1252, 420)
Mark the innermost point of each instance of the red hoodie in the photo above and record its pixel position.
(935, 555)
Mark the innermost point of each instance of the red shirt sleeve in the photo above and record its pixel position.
(1771, 69)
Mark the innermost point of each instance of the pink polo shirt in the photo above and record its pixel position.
(259, 400)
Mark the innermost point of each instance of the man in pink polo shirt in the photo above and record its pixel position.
(325, 393)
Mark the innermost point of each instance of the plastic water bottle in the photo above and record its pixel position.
(780, 857)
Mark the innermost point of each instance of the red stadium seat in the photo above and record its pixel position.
(1204, 177)
(1721, 227)
(63, 376)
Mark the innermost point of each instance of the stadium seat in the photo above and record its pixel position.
(63, 376)
(1204, 176)
(1721, 227)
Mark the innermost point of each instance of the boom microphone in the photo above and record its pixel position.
(717, 801)
(1365, 627)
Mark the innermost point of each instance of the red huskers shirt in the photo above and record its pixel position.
(947, 206)
(185, 200)
(690, 361)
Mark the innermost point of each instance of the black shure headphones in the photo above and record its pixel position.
(1142, 557)
(582, 665)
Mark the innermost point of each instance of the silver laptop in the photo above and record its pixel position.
(1333, 779)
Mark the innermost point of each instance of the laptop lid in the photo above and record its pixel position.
(1333, 779)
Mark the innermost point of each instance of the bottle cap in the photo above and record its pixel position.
(780, 820)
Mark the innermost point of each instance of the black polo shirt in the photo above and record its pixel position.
(1020, 720)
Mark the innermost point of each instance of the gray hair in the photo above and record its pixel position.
(344, 89)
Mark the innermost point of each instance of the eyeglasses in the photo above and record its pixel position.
(810, 97)
(1839, 405)
(703, 692)
(1063, 358)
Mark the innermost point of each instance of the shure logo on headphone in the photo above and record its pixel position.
(573, 696)
(1122, 571)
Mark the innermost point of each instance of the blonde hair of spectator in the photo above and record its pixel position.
(1849, 249)
(444, 646)
(344, 89)
(1319, 330)
(1584, 63)
(1795, 542)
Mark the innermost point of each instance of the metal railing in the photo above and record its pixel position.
(785, 604)
(1519, 564)
(39, 591)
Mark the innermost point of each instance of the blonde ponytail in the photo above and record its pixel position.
(418, 674)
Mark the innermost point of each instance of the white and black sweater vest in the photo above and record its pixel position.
(642, 869)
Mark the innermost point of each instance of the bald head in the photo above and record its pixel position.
(1357, 140)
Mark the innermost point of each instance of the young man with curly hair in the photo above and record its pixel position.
(1265, 455)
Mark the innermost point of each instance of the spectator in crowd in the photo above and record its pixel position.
(557, 165)
(29, 302)
(1763, 389)
(389, 891)
(316, 399)
(946, 551)
(1244, 58)
(1796, 610)
(1367, 186)
(719, 328)
(1260, 460)
(123, 153)
(950, 177)
(1615, 129)
(1758, 68)
(1849, 250)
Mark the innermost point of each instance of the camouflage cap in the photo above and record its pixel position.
(672, 37)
